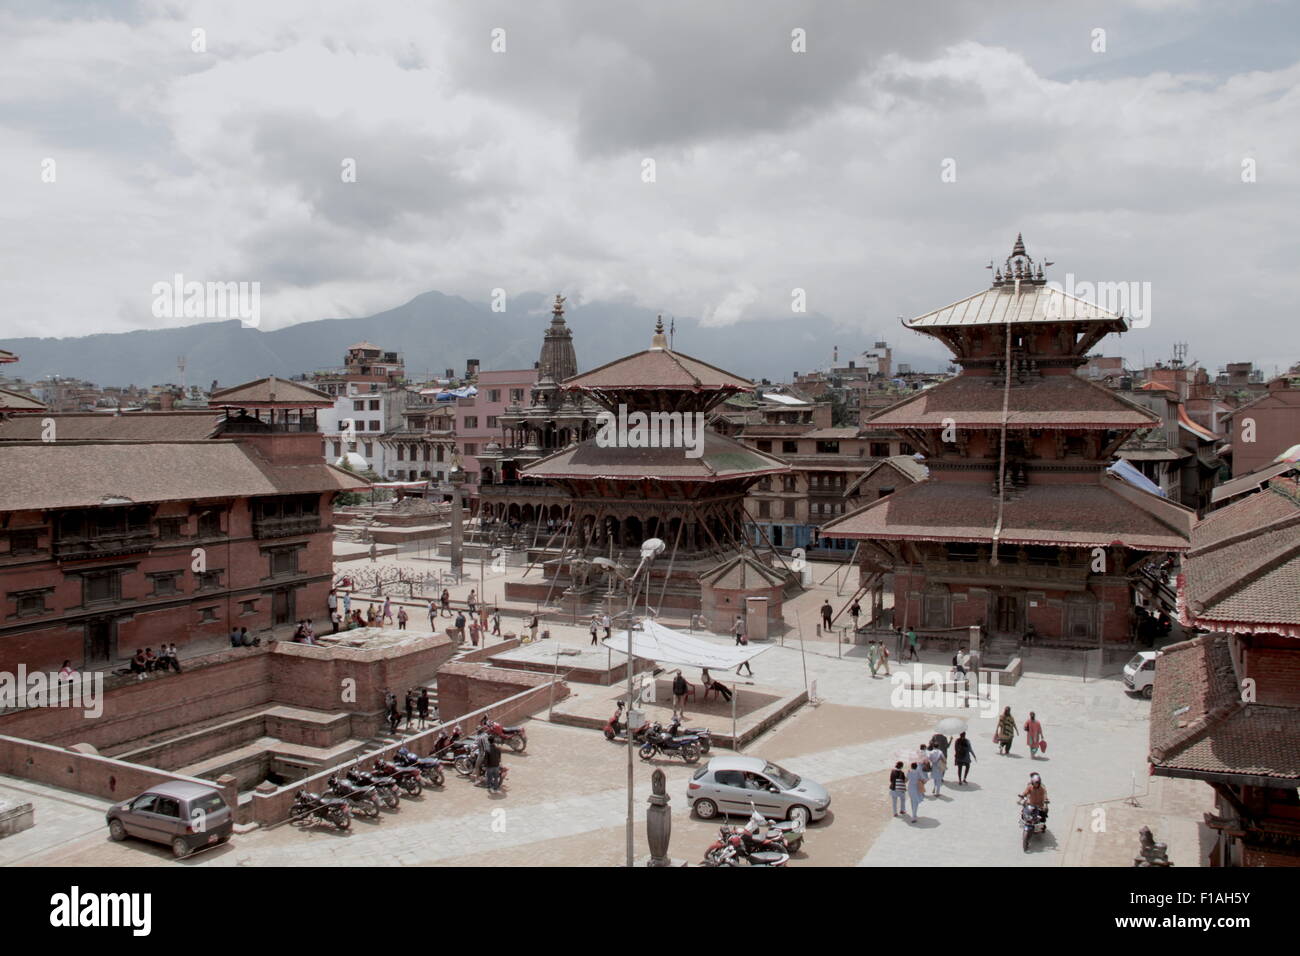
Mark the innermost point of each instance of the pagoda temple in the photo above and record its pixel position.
(1020, 527)
(692, 499)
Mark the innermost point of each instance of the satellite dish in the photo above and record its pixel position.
(652, 547)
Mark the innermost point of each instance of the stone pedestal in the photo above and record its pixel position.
(659, 821)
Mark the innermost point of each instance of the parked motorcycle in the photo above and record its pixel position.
(730, 850)
(309, 806)
(464, 764)
(360, 799)
(449, 746)
(760, 833)
(516, 738)
(408, 778)
(705, 737)
(1032, 820)
(659, 742)
(430, 767)
(616, 728)
(385, 787)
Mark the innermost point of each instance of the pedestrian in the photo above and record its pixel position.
(679, 695)
(606, 624)
(898, 790)
(374, 552)
(390, 711)
(475, 632)
(433, 615)
(460, 627)
(938, 767)
(446, 602)
(402, 618)
(372, 616)
(496, 622)
(347, 605)
(595, 624)
(410, 708)
(1034, 736)
(1006, 732)
(960, 664)
(940, 741)
(483, 617)
(387, 614)
(332, 602)
(472, 602)
(855, 611)
(873, 658)
(912, 645)
(915, 788)
(422, 706)
(827, 612)
(334, 621)
(963, 753)
(532, 627)
(742, 640)
(884, 656)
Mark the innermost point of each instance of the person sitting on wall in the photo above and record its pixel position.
(137, 664)
(248, 640)
(150, 660)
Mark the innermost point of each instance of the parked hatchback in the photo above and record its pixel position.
(185, 816)
(741, 785)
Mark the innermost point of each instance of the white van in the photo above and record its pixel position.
(1140, 673)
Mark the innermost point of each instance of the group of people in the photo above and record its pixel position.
(145, 662)
(239, 637)
(908, 780)
(599, 622)
(418, 704)
(1006, 733)
(682, 688)
(929, 768)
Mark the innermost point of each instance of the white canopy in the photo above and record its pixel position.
(666, 646)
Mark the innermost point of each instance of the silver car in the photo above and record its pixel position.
(741, 785)
(185, 816)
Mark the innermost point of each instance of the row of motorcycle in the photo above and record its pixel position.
(760, 842)
(366, 792)
(655, 740)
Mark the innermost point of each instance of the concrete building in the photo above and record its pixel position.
(1266, 427)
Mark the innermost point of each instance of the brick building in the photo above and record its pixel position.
(1266, 427)
(1226, 705)
(1019, 525)
(129, 530)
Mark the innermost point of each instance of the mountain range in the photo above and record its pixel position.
(436, 332)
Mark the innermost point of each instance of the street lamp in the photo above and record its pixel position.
(650, 549)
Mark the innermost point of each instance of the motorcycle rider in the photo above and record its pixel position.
(1036, 795)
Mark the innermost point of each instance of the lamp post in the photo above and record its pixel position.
(649, 550)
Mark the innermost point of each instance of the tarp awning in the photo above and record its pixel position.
(663, 645)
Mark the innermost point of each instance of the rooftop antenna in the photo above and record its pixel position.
(180, 365)
(672, 327)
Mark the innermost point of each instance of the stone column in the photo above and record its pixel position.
(659, 821)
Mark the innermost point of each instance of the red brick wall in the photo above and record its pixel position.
(463, 688)
(1276, 671)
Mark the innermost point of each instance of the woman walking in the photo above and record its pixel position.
(1006, 732)
(915, 788)
(1033, 735)
(595, 624)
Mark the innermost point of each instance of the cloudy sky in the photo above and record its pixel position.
(523, 168)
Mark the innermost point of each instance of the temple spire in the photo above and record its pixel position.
(660, 340)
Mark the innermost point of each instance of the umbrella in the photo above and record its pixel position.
(951, 726)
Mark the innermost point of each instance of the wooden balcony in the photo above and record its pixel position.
(103, 545)
(286, 527)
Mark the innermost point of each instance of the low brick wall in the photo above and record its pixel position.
(88, 773)
(468, 687)
(488, 651)
(272, 808)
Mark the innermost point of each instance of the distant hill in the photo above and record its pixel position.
(434, 332)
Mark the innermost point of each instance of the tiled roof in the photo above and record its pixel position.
(1054, 401)
(11, 400)
(40, 475)
(743, 572)
(831, 434)
(1199, 724)
(722, 458)
(1243, 571)
(271, 391)
(659, 368)
(1106, 513)
(997, 306)
(908, 468)
(1250, 482)
(133, 426)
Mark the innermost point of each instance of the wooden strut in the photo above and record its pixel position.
(672, 558)
(770, 545)
(564, 549)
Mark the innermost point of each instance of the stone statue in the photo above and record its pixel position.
(659, 820)
(1152, 853)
